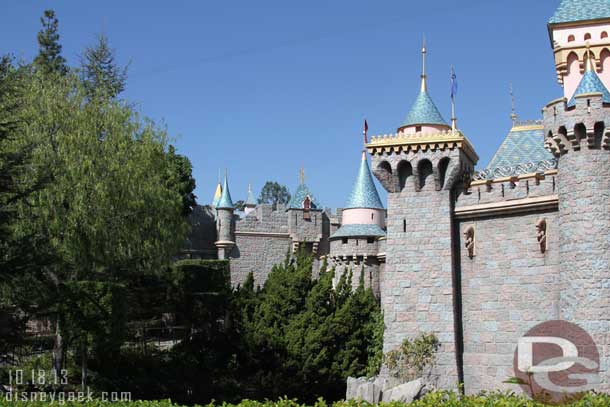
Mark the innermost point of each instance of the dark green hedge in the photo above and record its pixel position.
(436, 399)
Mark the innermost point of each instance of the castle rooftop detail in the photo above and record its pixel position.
(580, 10)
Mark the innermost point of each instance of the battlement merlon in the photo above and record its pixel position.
(420, 141)
(571, 128)
(450, 153)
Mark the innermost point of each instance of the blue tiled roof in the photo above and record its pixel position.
(358, 231)
(250, 200)
(579, 10)
(523, 145)
(364, 194)
(423, 111)
(296, 202)
(590, 83)
(225, 199)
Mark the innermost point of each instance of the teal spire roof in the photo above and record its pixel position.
(590, 83)
(364, 194)
(580, 10)
(250, 200)
(423, 111)
(225, 199)
(296, 202)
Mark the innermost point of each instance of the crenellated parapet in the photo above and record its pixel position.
(586, 125)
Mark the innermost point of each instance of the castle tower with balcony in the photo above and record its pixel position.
(422, 167)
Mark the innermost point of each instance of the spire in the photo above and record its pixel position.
(589, 58)
(424, 85)
(302, 176)
(225, 199)
(423, 111)
(364, 194)
(217, 195)
(513, 115)
(590, 82)
(250, 201)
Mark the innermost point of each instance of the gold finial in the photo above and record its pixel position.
(513, 115)
(589, 57)
(424, 86)
(302, 175)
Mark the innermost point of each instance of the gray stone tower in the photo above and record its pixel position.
(225, 222)
(578, 134)
(421, 167)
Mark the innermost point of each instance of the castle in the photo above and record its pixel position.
(477, 257)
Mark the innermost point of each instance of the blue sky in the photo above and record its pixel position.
(263, 88)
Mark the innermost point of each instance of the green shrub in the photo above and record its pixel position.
(434, 399)
(412, 357)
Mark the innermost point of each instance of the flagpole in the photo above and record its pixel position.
(453, 118)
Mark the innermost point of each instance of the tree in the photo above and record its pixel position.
(112, 210)
(102, 77)
(184, 183)
(274, 194)
(49, 59)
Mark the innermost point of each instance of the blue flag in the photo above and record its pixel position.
(454, 84)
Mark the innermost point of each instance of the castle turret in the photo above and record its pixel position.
(422, 167)
(250, 204)
(579, 29)
(217, 194)
(306, 219)
(225, 222)
(355, 245)
(577, 129)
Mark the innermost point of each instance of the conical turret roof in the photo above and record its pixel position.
(217, 195)
(423, 111)
(590, 83)
(250, 201)
(225, 199)
(364, 194)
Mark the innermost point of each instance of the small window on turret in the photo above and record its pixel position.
(604, 34)
(344, 240)
(571, 38)
(418, 129)
(404, 225)
(370, 240)
(372, 215)
(587, 36)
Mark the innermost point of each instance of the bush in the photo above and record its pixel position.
(435, 399)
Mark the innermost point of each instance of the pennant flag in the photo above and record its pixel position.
(454, 84)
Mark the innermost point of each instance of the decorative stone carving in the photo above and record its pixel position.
(541, 234)
(469, 241)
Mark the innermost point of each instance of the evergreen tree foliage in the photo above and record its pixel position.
(273, 194)
(102, 77)
(49, 59)
(183, 180)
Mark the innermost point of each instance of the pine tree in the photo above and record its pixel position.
(101, 75)
(49, 59)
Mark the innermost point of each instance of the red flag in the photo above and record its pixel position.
(366, 128)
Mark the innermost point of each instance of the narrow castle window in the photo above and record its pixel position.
(404, 225)
(372, 215)
(587, 36)
(571, 38)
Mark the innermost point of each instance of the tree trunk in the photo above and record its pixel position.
(58, 350)
(83, 366)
